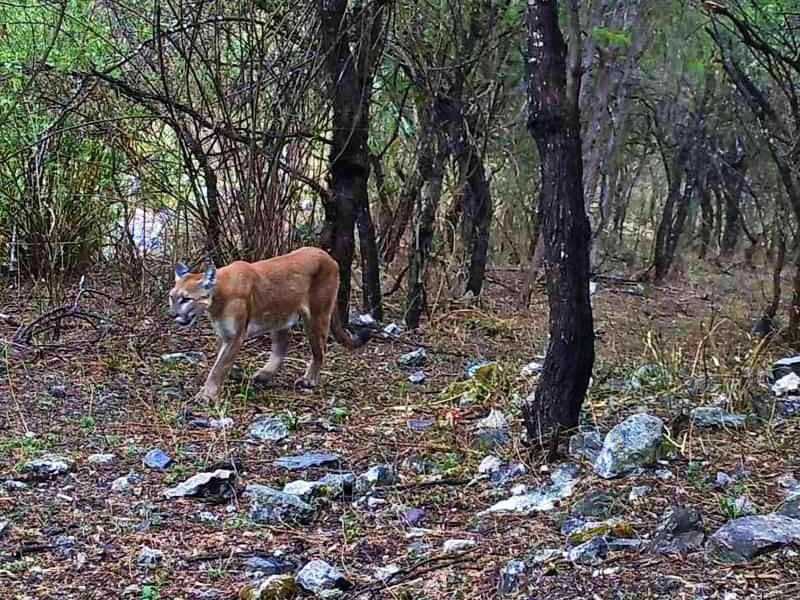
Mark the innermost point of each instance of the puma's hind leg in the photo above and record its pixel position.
(277, 354)
(317, 330)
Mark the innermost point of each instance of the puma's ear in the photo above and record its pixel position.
(180, 270)
(210, 277)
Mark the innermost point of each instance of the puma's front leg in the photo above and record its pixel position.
(222, 365)
(280, 347)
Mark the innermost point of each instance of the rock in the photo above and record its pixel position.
(13, 484)
(417, 377)
(511, 577)
(100, 459)
(386, 573)
(507, 472)
(3, 526)
(223, 423)
(564, 473)
(208, 517)
(596, 503)
(204, 593)
(57, 391)
(622, 544)
(376, 476)
(307, 461)
(149, 558)
(632, 444)
(491, 439)
(176, 357)
(417, 358)
(413, 516)
(125, 483)
(217, 483)
(268, 505)
(339, 484)
(392, 330)
(589, 553)
(788, 384)
(333, 484)
(374, 503)
(49, 465)
(365, 320)
(586, 446)
(663, 474)
(318, 576)
(414, 463)
(266, 566)
(610, 527)
(454, 545)
(489, 464)
(531, 369)
(157, 459)
(545, 555)
(786, 366)
(714, 416)
(268, 429)
(681, 530)
(534, 501)
(305, 490)
(638, 492)
(274, 587)
(495, 420)
(743, 539)
(419, 424)
(722, 480)
(571, 524)
(790, 508)
(743, 507)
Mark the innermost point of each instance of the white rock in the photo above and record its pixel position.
(451, 546)
(787, 384)
(490, 464)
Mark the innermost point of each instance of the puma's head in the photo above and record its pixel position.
(191, 295)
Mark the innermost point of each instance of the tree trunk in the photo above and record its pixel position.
(706, 222)
(350, 73)
(475, 220)
(554, 123)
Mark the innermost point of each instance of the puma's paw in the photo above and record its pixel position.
(303, 385)
(262, 377)
(203, 397)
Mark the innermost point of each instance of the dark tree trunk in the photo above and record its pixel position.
(554, 123)
(733, 217)
(350, 73)
(213, 216)
(395, 231)
(706, 222)
(475, 220)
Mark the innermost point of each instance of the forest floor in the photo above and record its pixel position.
(70, 536)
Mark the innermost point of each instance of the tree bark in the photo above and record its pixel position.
(554, 123)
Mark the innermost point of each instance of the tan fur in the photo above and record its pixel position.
(244, 300)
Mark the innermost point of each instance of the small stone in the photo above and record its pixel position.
(622, 544)
(268, 505)
(274, 587)
(638, 492)
(57, 391)
(307, 461)
(176, 357)
(413, 516)
(743, 507)
(571, 524)
(596, 503)
(746, 538)
(333, 485)
(491, 438)
(631, 444)
(376, 476)
(365, 320)
(663, 474)
(495, 420)
(208, 517)
(49, 465)
(3, 526)
(565, 473)
(100, 459)
(414, 463)
(268, 429)
(722, 480)
(681, 530)
(385, 574)
(511, 577)
(419, 424)
(545, 555)
(196, 593)
(489, 464)
(318, 576)
(374, 503)
(266, 566)
(586, 446)
(507, 473)
(454, 545)
(714, 416)
(788, 384)
(125, 483)
(416, 358)
(531, 369)
(610, 527)
(149, 558)
(519, 489)
(13, 484)
(417, 377)
(223, 423)
(392, 330)
(791, 507)
(589, 553)
(217, 483)
(157, 459)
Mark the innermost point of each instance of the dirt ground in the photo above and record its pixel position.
(71, 537)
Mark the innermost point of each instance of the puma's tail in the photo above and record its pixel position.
(343, 335)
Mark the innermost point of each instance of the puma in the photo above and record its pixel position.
(245, 300)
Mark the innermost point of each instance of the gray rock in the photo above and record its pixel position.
(786, 366)
(681, 530)
(788, 384)
(586, 446)
(13, 484)
(491, 438)
(333, 485)
(534, 501)
(416, 358)
(318, 577)
(746, 538)
(531, 369)
(489, 464)
(57, 391)
(419, 424)
(471, 368)
(268, 429)
(714, 416)
(223, 423)
(663, 474)
(49, 465)
(589, 553)
(149, 558)
(622, 544)
(570, 525)
(507, 472)
(125, 483)
(268, 505)
(274, 587)
(456, 545)
(545, 555)
(100, 459)
(157, 459)
(3, 526)
(494, 420)
(417, 377)
(176, 357)
(269, 565)
(638, 492)
(376, 476)
(790, 508)
(197, 593)
(564, 473)
(216, 483)
(722, 480)
(512, 576)
(632, 444)
(307, 461)
(305, 490)
(413, 516)
(596, 503)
